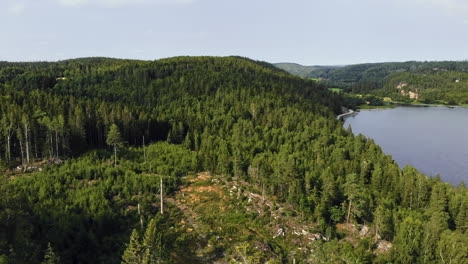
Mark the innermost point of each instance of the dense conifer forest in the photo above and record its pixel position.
(432, 82)
(100, 159)
(433, 88)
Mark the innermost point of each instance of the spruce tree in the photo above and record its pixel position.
(50, 257)
(132, 254)
(114, 139)
(461, 220)
(151, 244)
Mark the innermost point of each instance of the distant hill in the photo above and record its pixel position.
(379, 71)
(383, 78)
(306, 71)
(448, 87)
(371, 71)
(428, 82)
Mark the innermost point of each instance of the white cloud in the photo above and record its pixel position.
(449, 7)
(73, 3)
(16, 8)
(185, 1)
(118, 3)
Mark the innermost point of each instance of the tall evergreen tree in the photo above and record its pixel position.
(114, 139)
(151, 244)
(133, 252)
(408, 240)
(50, 257)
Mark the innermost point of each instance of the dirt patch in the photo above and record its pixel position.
(200, 189)
(194, 193)
(202, 176)
(350, 228)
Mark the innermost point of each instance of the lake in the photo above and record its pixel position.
(434, 140)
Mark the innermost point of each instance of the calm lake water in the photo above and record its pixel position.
(434, 140)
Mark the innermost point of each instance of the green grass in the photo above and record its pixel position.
(385, 106)
(418, 103)
(335, 90)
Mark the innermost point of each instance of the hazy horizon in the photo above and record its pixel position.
(290, 62)
(333, 32)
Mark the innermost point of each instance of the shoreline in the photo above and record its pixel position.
(394, 105)
(350, 112)
(427, 105)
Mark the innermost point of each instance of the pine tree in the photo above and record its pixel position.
(133, 253)
(50, 257)
(114, 139)
(461, 220)
(354, 192)
(26, 128)
(151, 244)
(383, 220)
(408, 240)
(144, 252)
(436, 224)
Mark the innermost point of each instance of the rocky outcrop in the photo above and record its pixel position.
(401, 85)
(410, 94)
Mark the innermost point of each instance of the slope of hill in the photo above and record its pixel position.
(434, 80)
(367, 77)
(446, 87)
(352, 74)
(123, 126)
(311, 72)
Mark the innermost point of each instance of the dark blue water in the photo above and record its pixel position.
(432, 139)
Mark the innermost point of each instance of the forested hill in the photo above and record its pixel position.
(440, 82)
(250, 131)
(371, 71)
(140, 81)
(448, 87)
(79, 99)
(312, 72)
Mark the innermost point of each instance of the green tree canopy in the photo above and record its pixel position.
(114, 139)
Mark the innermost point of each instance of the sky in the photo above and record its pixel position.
(309, 32)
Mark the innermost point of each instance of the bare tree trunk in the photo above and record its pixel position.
(51, 149)
(115, 155)
(22, 153)
(141, 218)
(35, 147)
(8, 145)
(376, 232)
(26, 142)
(64, 144)
(349, 212)
(161, 191)
(56, 144)
(263, 192)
